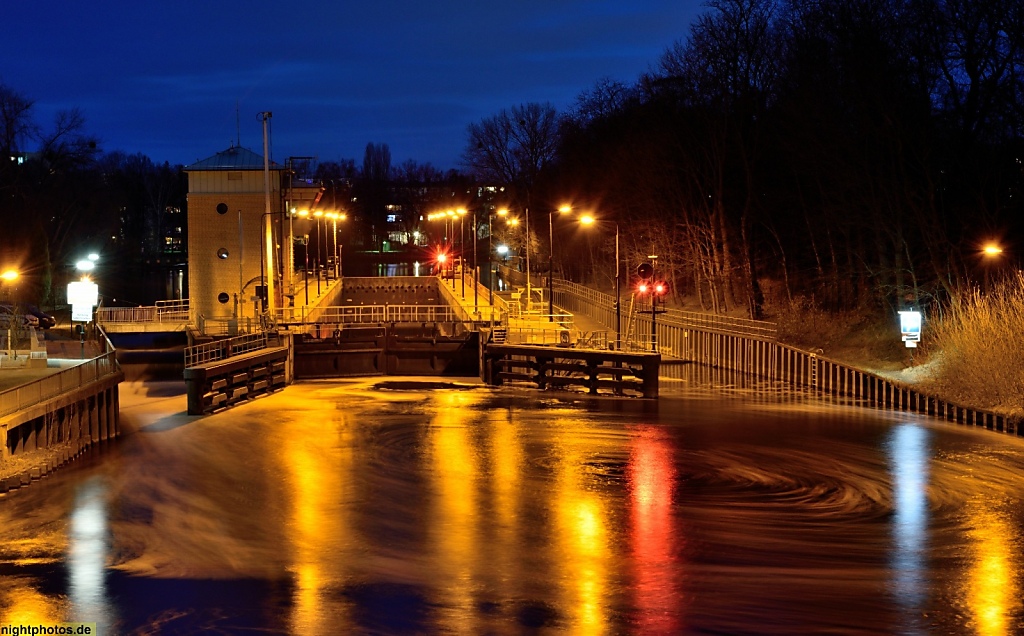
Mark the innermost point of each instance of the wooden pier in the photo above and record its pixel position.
(591, 369)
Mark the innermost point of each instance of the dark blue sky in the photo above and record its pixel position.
(164, 78)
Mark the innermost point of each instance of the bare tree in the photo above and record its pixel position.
(514, 146)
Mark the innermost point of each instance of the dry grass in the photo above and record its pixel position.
(981, 339)
(865, 339)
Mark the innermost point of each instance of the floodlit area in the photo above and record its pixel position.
(424, 505)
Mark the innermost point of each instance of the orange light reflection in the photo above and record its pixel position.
(456, 470)
(581, 524)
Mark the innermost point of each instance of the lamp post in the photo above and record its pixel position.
(565, 209)
(529, 290)
(319, 215)
(8, 277)
(990, 253)
(462, 248)
(589, 220)
(476, 266)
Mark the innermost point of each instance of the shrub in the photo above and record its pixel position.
(981, 337)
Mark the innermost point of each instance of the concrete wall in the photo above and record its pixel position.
(58, 430)
(396, 290)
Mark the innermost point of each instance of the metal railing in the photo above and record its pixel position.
(538, 335)
(163, 311)
(223, 349)
(601, 307)
(62, 382)
(375, 314)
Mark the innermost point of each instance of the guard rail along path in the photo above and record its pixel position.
(62, 382)
(165, 311)
(61, 414)
(749, 347)
(601, 307)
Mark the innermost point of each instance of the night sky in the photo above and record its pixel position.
(177, 81)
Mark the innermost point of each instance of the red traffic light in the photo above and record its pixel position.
(660, 288)
(642, 288)
(441, 257)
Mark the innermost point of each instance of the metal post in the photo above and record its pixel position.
(551, 267)
(476, 267)
(462, 252)
(529, 290)
(305, 270)
(288, 284)
(490, 265)
(268, 222)
(618, 296)
(654, 327)
(241, 242)
(335, 248)
(316, 264)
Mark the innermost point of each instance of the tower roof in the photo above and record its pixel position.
(234, 158)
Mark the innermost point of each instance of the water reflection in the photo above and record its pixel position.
(87, 556)
(335, 508)
(318, 462)
(581, 528)
(651, 476)
(991, 591)
(908, 460)
(21, 603)
(455, 468)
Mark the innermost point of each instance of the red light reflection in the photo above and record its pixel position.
(651, 473)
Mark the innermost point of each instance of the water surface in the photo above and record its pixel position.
(376, 506)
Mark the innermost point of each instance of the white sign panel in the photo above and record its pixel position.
(81, 313)
(910, 327)
(83, 292)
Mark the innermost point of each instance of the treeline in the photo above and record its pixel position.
(850, 154)
(62, 197)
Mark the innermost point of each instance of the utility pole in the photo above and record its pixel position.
(268, 226)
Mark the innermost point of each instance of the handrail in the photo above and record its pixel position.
(162, 311)
(223, 349)
(675, 317)
(64, 381)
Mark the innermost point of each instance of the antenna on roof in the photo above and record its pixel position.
(238, 124)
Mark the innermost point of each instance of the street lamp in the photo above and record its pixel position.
(462, 247)
(319, 214)
(990, 253)
(502, 212)
(565, 209)
(589, 220)
(8, 277)
(335, 216)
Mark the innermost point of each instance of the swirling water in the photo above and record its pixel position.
(375, 506)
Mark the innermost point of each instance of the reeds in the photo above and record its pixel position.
(979, 339)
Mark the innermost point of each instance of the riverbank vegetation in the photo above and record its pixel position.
(977, 348)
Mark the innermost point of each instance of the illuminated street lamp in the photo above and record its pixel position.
(8, 277)
(319, 214)
(461, 212)
(335, 217)
(589, 220)
(565, 209)
(502, 212)
(990, 252)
